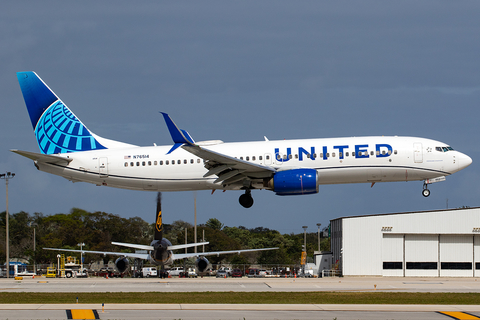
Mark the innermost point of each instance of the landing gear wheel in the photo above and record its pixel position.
(246, 200)
(425, 192)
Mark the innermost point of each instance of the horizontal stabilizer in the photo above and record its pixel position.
(132, 245)
(188, 245)
(46, 158)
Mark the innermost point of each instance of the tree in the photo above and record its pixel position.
(214, 224)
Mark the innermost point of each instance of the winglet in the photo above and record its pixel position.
(179, 137)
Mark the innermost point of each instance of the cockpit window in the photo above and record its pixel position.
(444, 149)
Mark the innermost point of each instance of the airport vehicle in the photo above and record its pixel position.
(222, 274)
(286, 167)
(175, 271)
(253, 273)
(160, 250)
(149, 272)
(228, 270)
(262, 273)
(237, 273)
(191, 273)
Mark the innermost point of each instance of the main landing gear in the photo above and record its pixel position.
(425, 191)
(246, 199)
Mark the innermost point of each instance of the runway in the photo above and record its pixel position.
(241, 311)
(241, 285)
(237, 311)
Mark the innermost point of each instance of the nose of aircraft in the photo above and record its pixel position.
(463, 161)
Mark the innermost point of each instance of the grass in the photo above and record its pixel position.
(243, 298)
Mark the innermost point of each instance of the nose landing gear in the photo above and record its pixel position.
(425, 191)
(246, 199)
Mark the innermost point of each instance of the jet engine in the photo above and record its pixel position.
(201, 264)
(121, 264)
(294, 182)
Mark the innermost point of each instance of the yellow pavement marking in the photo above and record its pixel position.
(82, 314)
(459, 315)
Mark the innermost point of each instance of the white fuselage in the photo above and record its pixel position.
(337, 160)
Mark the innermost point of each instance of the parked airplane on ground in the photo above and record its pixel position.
(160, 250)
(287, 167)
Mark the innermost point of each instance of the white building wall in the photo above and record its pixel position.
(456, 255)
(421, 255)
(476, 253)
(368, 241)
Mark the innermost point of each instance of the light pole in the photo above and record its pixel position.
(81, 244)
(318, 225)
(305, 246)
(7, 176)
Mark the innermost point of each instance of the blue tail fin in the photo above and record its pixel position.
(56, 128)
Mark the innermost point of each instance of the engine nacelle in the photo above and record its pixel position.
(201, 264)
(121, 264)
(294, 182)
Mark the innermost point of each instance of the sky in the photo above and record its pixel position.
(239, 71)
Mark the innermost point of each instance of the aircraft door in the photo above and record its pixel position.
(417, 152)
(103, 167)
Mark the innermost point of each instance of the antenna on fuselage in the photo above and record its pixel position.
(158, 222)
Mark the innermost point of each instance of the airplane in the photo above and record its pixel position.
(160, 250)
(286, 167)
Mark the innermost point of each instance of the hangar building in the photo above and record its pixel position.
(444, 243)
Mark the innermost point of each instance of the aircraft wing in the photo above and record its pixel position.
(144, 256)
(228, 169)
(48, 158)
(145, 247)
(216, 253)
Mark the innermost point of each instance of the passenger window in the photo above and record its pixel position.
(333, 154)
(166, 162)
(296, 156)
(378, 152)
(371, 153)
(267, 157)
(179, 162)
(389, 152)
(126, 164)
(247, 158)
(346, 154)
(383, 152)
(143, 163)
(328, 155)
(314, 156)
(185, 161)
(321, 155)
(395, 152)
(198, 160)
(161, 162)
(191, 161)
(138, 164)
(131, 164)
(308, 155)
(290, 156)
(253, 158)
(340, 154)
(241, 158)
(155, 162)
(149, 163)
